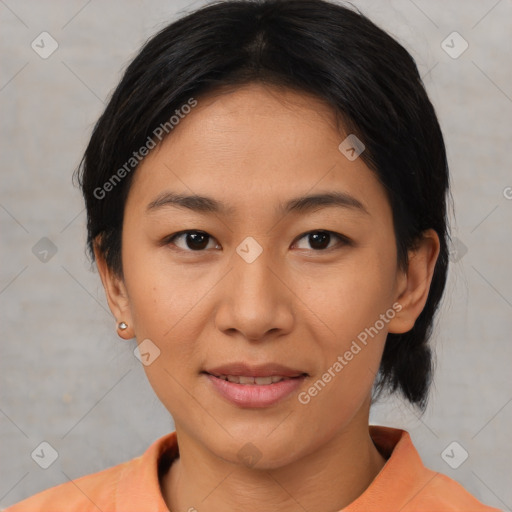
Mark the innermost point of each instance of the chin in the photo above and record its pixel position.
(256, 448)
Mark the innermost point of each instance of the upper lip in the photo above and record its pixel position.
(247, 370)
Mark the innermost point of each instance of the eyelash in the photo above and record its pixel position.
(342, 240)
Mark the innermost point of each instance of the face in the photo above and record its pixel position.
(252, 284)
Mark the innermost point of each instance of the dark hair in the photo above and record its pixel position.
(312, 46)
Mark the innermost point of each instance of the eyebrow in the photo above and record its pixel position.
(301, 204)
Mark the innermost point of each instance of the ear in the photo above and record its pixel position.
(414, 284)
(117, 296)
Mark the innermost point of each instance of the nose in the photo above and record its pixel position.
(255, 301)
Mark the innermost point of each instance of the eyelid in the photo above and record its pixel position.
(170, 238)
(343, 240)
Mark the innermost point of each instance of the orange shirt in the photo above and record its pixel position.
(404, 484)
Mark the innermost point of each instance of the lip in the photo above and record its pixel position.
(255, 395)
(265, 370)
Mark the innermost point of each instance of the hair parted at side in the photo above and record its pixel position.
(314, 46)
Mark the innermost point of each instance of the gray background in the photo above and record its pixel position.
(66, 378)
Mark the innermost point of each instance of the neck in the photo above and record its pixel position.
(329, 478)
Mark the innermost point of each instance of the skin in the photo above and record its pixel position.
(252, 148)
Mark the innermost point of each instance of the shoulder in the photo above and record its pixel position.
(130, 486)
(93, 492)
(405, 484)
(442, 493)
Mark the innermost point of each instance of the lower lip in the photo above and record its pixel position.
(255, 395)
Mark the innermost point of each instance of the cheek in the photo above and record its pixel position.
(350, 362)
(159, 293)
(165, 309)
(356, 307)
(354, 295)
(164, 304)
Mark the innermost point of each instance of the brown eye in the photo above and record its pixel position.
(192, 240)
(319, 240)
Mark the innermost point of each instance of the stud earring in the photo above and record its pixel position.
(122, 325)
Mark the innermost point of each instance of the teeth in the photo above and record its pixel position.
(260, 381)
(263, 380)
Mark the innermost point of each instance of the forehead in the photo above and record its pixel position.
(253, 117)
(251, 144)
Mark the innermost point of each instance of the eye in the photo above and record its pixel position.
(319, 240)
(193, 240)
(198, 240)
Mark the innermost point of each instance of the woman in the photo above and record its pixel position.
(266, 199)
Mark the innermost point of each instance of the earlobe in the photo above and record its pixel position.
(116, 293)
(413, 286)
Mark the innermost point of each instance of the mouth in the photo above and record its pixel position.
(260, 381)
(254, 386)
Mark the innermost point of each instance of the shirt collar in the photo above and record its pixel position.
(400, 480)
(139, 487)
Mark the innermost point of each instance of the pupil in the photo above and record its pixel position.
(321, 237)
(197, 238)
